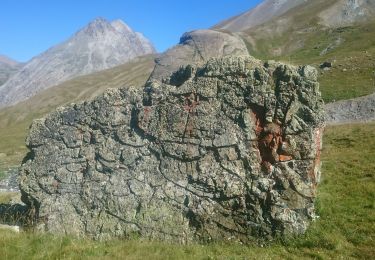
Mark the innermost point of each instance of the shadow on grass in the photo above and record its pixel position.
(15, 215)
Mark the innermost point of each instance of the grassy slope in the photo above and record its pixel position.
(15, 120)
(346, 228)
(299, 39)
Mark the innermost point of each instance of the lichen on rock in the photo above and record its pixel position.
(227, 150)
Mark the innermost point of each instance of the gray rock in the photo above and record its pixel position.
(347, 12)
(326, 64)
(354, 110)
(226, 150)
(197, 47)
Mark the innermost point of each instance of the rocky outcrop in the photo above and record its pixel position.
(197, 47)
(227, 150)
(347, 12)
(99, 45)
(356, 110)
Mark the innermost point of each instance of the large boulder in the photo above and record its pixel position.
(228, 150)
(197, 47)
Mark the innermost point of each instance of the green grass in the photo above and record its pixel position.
(6, 197)
(12, 145)
(353, 71)
(345, 230)
(2, 174)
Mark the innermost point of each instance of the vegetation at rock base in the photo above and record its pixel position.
(345, 229)
(6, 197)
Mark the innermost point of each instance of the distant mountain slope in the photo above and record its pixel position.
(347, 12)
(8, 67)
(15, 120)
(262, 13)
(330, 13)
(98, 46)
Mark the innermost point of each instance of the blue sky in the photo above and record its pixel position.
(29, 27)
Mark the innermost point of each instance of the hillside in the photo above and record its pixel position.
(99, 45)
(337, 31)
(15, 120)
(262, 13)
(328, 13)
(351, 50)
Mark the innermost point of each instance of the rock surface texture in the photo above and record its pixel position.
(227, 150)
(197, 47)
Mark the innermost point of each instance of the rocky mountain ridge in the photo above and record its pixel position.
(347, 12)
(8, 61)
(331, 13)
(8, 67)
(98, 46)
(262, 13)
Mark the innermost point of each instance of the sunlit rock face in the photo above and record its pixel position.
(227, 150)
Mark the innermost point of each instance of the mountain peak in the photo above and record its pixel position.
(96, 27)
(99, 45)
(120, 26)
(100, 26)
(99, 22)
